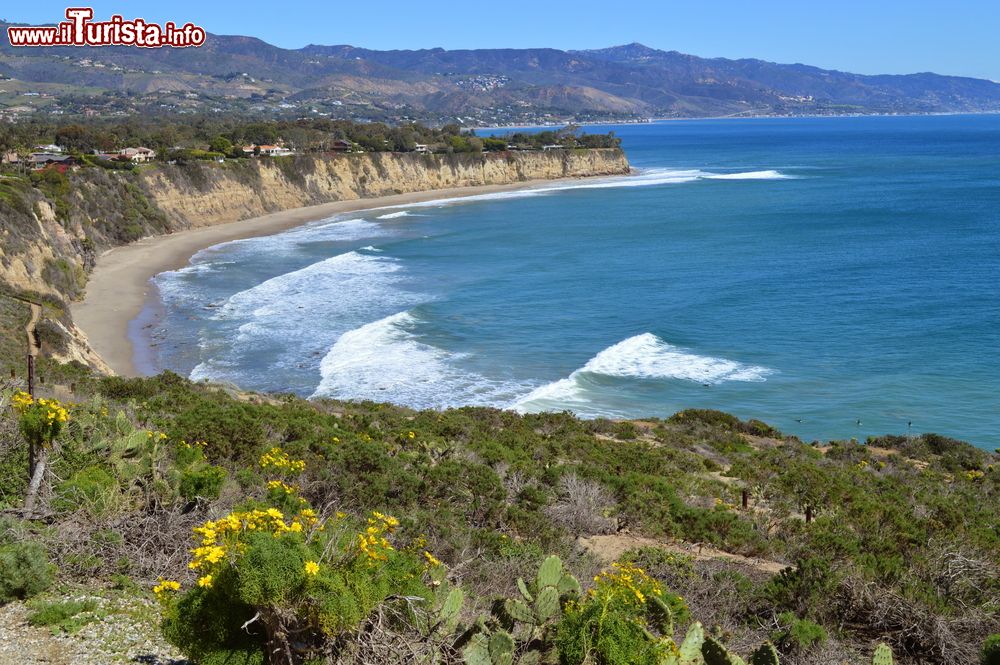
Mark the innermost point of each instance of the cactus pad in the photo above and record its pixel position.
(883, 655)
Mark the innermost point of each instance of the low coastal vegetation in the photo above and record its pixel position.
(271, 529)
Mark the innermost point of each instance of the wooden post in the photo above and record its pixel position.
(31, 375)
(746, 499)
(809, 514)
(13, 373)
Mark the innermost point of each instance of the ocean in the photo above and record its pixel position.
(834, 277)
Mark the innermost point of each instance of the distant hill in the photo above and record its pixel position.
(234, 73)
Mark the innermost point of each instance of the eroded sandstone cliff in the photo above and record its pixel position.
(53, 226)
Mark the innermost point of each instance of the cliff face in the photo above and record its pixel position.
(240, 190)
(53, 226)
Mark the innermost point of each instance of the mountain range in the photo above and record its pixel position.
(236, 73)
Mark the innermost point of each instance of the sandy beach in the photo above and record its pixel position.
(119, 288)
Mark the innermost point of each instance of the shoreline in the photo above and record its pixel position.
(120, 288)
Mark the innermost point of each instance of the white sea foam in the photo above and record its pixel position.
(769, 174)
(644, 356)
(394, 215)
(334, 229)
(385, 361)
(299, 314)
(641, 178)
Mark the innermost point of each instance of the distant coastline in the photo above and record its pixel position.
(650, 120)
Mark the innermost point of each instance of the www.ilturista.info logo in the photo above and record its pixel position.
(80, 30)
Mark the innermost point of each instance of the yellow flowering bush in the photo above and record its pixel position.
(277, 459)
(40, 419)
(289, 571)
(373, 543)
(626, 617)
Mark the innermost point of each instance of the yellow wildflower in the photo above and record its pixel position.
(312, 567)
(166, 585)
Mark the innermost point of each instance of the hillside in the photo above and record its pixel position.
(416, 522)
(485, 86)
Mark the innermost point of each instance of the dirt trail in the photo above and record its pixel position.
(36, 313)
(611, 547)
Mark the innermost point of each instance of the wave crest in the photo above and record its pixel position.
(385, 361)
(644, 356)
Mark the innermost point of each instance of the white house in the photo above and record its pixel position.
(139, 154)
(275, 151)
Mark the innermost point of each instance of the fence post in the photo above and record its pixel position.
(31, 375)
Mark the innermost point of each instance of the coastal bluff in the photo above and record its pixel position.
(240, 190)
(55, 227)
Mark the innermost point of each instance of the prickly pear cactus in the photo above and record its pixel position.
(546, 604)
(664, 615)
(765, 654)
(451, 610)
(490, 649)
(518, 610)
(882, 655)
(550, 572)
(551, 585)
(501, 648)
(716, 654)
(690, 649)
(523, 589)
(477, 652)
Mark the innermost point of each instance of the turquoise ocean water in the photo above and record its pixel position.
(834, 277)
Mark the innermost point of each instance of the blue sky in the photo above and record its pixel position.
(874, 36)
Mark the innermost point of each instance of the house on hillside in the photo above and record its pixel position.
(423, 149)
(138, 155)
(50, 148)
(41, 160)
(340, 145)
(275, 151)
(100, 154)
(10, 157)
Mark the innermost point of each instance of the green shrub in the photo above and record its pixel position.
(706, 417)
(205, 624)
(92, 489)
(13, 473)
(118, 387)
(990, 654)
(24, 571)
(797, 635)
(63, 615)
(202, 482)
